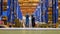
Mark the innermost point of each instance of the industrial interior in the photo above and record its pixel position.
(29, 13)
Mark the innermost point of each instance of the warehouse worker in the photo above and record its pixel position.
(33, 20)
(27, 20)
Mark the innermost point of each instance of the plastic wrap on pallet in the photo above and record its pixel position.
(13, 10)
(46, 11)
(4, 13)
(37, 13)
(55, 11)
(1, 7)
(19, 13)
(9, 10)
(42, 10)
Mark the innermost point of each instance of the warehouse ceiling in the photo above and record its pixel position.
(27, 5)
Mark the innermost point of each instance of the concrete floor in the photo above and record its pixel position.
(29, 31)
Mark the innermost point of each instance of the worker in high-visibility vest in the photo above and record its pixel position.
(33, 20)
(27, 20)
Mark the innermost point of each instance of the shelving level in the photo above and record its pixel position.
(59, 11)
(30, 6)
